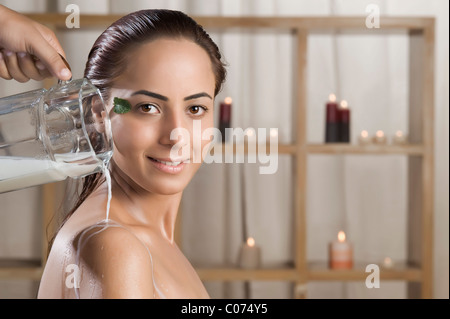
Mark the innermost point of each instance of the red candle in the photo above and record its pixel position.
(332, 120)
(225, 116)
(344, 122)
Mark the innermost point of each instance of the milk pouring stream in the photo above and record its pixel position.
(49, 135)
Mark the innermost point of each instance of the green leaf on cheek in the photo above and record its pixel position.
(121, 106)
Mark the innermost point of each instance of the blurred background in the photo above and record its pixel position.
(366, 196)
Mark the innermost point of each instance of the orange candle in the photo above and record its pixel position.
(341, 253)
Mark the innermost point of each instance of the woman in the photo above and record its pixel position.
(168, 70)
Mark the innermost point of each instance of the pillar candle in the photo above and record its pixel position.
(340, 253)
(225, 117)
(388, 263)
(379, 138)
(250, 255)
(344, 122)
(364, 138)
(332, 120)
(399, 138)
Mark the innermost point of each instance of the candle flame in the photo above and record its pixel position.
(344, 104)
(332, 97)
(380, 133)
(251, 241)
(399, 133)
(341, 236)
(228, 100)
(273, 132)
(364, 133)
(387, 261)
(250, 132)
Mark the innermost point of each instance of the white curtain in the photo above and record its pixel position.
(364, 196)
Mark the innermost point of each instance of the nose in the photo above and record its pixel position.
(174, 130)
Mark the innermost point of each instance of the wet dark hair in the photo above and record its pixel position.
(108, 57)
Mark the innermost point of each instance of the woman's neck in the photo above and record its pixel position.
(135, 206)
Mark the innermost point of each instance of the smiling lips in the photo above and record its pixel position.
(168, 166)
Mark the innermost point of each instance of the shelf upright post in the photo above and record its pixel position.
(300, 163)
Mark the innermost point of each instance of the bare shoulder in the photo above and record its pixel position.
(119, 260)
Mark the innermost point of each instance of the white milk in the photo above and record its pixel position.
(108, 183)
(18, 173)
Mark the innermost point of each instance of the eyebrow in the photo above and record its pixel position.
(152, 94)
(165, 98)
(196, 96)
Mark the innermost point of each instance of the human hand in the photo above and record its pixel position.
(29, 50)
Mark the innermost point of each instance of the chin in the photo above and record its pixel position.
(171, 184)
(166, 185)
(169, 188)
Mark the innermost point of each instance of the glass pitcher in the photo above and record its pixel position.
(49, 135)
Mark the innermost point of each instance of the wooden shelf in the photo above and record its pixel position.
(229, 148)
(238, 274)
(319, 271)
(58, 20)
(20, 269)
(329, 148)
(340, 148)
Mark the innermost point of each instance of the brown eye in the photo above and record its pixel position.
(197, 110)
(148, 108)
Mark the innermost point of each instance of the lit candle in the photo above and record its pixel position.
(332, 120)
(344, 122)
(399, 138)
(273, 133)
(379, 137)
(250, 133)
(250, 255)
(388, 263)
(364, 138)
(341, 253)
(225, 116)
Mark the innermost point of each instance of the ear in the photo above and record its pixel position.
(99, 113)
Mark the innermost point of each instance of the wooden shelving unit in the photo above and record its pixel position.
(418, 271)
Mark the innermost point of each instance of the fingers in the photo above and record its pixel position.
(4, 73)
(22, 34)
(12, 64)
(21, 67)
(41, 67)
(49, 56)
(28, 67)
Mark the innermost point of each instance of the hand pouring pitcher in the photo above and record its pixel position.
(49, 135)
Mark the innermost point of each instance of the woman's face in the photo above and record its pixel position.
(170, 86)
